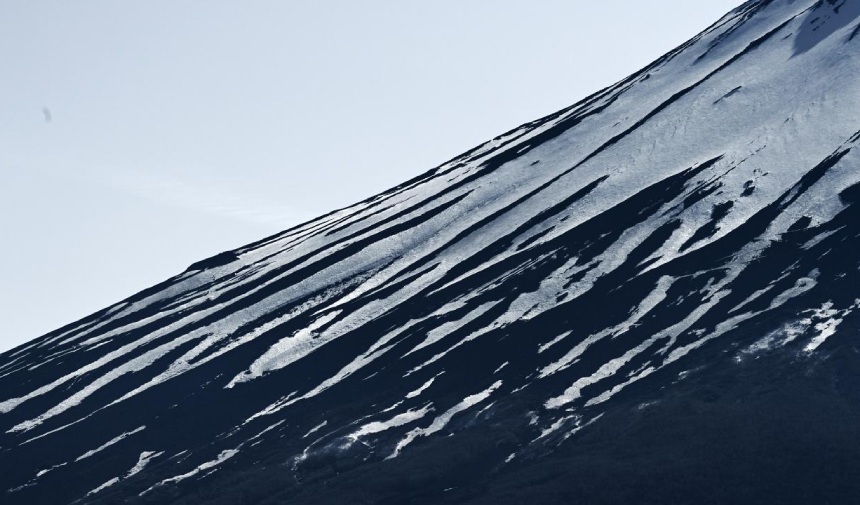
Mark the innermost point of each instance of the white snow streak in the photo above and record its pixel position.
(443, 419)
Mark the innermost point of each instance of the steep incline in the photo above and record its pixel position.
(645, 293)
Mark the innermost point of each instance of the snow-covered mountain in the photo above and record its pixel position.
(651, 296)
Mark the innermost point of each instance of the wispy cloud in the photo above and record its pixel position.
(212, 196)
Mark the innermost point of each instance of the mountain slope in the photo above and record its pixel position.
(650, 295)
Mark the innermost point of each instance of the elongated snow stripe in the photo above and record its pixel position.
(443, 419)
(108, 444)
(222, 457)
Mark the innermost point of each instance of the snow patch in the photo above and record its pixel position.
(443, 419)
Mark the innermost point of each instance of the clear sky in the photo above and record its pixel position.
(139, 137)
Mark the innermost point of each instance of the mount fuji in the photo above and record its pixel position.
(651, 296)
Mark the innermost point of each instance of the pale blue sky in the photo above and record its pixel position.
(182, 129)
